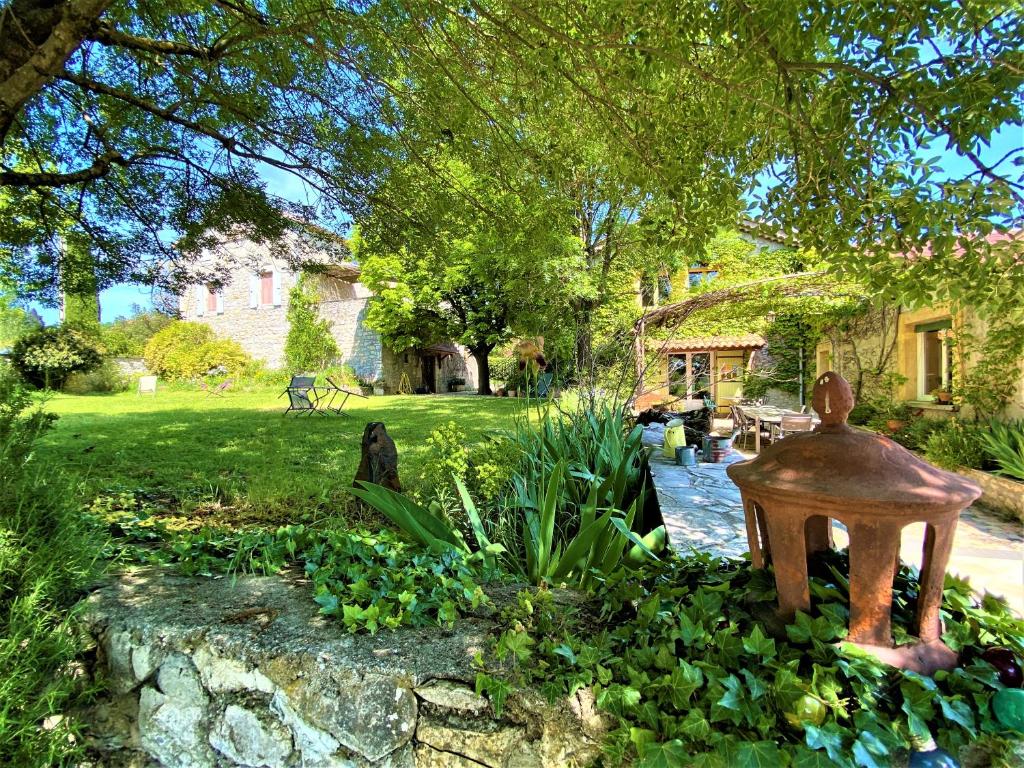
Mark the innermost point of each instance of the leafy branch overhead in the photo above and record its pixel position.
(147, 124)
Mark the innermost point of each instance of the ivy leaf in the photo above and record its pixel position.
(565, 652)
(328, 603)
(828, 737)
(809, 758)
(958, 711)
(670, 754)
(755, 754)
(758, 644)
(684, 680)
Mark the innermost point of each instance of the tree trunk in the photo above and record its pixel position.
(483, 368)
(584, 352)
(36, 39)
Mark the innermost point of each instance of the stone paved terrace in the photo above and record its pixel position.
(702, 511)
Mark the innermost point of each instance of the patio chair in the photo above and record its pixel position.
(792, 423)
(544, 384)
(302, 396)
(333, 391)
(742, 426)
(219, 390)
(147, 385)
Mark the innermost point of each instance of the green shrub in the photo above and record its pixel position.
(106, 378)
(956, 445)
(863, 413)
(1005, 444)
(48, 555)
(309, 345)
(503, 368)
(916, 431)
(128, 336)
(46, 357)
(189, 350)
(170, 341)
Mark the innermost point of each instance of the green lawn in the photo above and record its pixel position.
(237, 459)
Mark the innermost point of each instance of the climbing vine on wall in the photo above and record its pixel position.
(990, 384)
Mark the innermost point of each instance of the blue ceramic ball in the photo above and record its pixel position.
(935, 758)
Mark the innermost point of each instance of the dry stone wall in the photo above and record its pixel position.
(204, 673)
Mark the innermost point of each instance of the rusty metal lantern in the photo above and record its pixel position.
(795, 488)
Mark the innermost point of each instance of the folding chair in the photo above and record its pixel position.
(742, 426)
(302, 396)
(334, 391)
(219, 390)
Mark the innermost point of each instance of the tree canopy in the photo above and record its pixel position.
(144, 124)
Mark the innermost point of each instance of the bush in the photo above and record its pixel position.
(1005, 443)
(45, 358)
(127, 337)
(188, 350)
(309, 346)
(956, 445)
(106, 378)
(48, 555)
(171, 340)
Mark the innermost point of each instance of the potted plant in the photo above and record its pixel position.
(456, 384)
(378, 387)
(365, 386)
(942, 396)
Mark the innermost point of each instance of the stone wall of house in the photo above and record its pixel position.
(202, 673)
(261, 331)
(344, 304)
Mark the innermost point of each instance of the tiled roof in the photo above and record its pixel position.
(697, 343)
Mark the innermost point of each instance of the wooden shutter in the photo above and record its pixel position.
(200, 300)
(220, 302)
(254, 291)
(277, 287)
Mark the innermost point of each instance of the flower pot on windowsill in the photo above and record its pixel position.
(942, 397)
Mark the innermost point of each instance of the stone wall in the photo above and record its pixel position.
(1001, 494)
(203, 673)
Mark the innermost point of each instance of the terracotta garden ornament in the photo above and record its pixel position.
(875, 487)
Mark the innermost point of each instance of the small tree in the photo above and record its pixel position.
(45, 358)
(310, 345)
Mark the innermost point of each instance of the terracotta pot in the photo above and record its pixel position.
(943, 397)
(895, 425)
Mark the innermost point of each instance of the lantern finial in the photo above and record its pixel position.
(833, 400)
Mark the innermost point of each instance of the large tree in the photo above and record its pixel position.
(471, 262)
(133, 126)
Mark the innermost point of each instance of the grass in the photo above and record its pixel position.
(236, 459)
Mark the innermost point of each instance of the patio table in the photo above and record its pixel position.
(770, 415)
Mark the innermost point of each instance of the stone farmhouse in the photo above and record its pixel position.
(715, 364)
(248, 303)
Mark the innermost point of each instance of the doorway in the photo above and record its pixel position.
(429, 373)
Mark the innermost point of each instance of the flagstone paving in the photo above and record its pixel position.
(702, 511)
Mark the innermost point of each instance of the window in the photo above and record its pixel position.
(701, 275)
(211, 298)
(689, 374)
(266, 288)
(934, 357)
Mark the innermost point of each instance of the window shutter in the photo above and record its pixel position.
(254, 291)
(200, 300)
(220, 302)
(277, 288)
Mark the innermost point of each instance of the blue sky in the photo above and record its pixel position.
(118, 300)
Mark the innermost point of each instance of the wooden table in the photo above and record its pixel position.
(769, 415)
